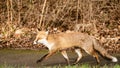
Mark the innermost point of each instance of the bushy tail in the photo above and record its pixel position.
(102, 51)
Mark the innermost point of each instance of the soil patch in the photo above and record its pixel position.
(29, 58)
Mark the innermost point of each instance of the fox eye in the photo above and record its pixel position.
(42, 37)
(39, 38)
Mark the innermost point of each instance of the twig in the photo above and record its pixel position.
(43, 9)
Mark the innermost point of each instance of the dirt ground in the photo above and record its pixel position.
(29, 58)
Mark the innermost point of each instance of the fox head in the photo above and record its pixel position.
(41, 37)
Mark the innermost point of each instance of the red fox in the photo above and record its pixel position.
(62, 41)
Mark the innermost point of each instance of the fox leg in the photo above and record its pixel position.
(79, 53)
(40, 60)
(46, 56)
(63, 52)
(93, 53)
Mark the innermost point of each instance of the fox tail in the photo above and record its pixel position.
(102, 51)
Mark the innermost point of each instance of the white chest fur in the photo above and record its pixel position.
(46, 43)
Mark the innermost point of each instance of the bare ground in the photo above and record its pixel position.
(29, 58)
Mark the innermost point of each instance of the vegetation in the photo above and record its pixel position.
(59, 66)
(20, 18)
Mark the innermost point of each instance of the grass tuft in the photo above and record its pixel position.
(61, 66)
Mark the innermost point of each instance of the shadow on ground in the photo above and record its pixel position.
(29, 57)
